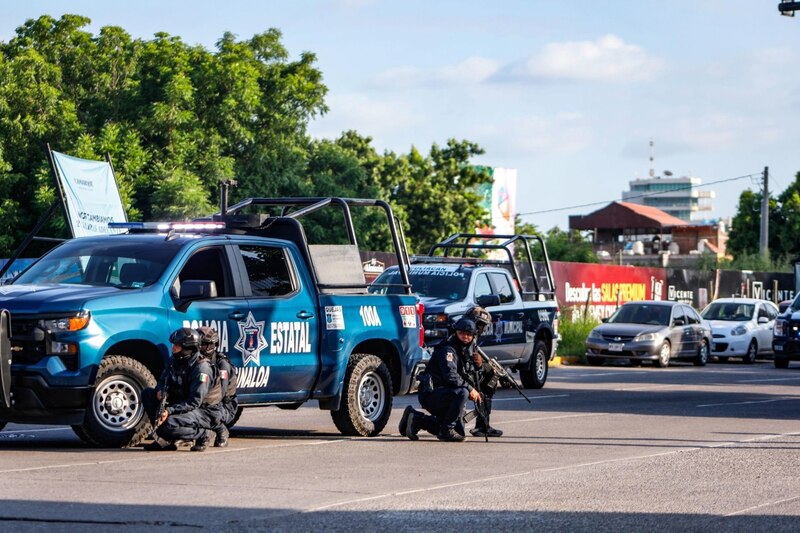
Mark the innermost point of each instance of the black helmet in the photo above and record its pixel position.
(186, 338)
(465, 324)
(208, 335)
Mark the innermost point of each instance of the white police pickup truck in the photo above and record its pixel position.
(520, 295)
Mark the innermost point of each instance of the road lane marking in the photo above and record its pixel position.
(534, 398)
(520, 474)
(163, 455)
(765, 380)
(646, 387)
(33, 430)
(745, 403)
(768, 504)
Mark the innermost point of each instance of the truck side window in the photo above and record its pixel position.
(208, 264)
(482, 286)
(268, 270)
(502, 287)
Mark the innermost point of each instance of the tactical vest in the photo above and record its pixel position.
(214, 395)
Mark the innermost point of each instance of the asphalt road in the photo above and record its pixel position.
(599, 449)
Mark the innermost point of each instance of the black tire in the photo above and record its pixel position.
(752, 350)
(664, 355)
(593, 360)
(781, 363)
(701, 359)
(366, 398)
(2, 425)
(81, 433)
(236, 418)
(534, 376)
(120, 381)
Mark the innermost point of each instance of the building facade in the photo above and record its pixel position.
(678, 197)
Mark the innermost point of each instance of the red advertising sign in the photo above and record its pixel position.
(603, 288)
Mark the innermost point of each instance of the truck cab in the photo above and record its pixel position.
(519, 294)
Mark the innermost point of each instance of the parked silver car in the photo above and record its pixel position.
(650, 331)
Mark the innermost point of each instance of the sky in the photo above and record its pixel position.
(568, 93)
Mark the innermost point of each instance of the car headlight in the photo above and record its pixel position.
(74, 322)
(645, 337)
(594, 336)
(739, 330)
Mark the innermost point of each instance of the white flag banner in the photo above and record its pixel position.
(91, 194)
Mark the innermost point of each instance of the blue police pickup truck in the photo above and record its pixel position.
(509, 275)
(90, 320)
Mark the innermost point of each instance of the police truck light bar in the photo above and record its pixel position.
(167, 226)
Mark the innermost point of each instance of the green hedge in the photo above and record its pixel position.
(574, 327)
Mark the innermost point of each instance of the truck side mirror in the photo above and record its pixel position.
(488, 300)
(195, 289)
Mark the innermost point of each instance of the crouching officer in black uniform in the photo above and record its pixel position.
(188, 384)
(488, 380)
(445, 388)
(225, 411)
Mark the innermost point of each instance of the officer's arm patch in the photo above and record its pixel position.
(203, 377)
(449, 357)
(223, 374)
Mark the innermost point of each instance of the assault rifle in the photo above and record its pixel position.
(500, 376)
(162, 405)
(480, 405)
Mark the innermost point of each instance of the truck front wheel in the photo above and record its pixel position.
(366, 398)
(534, 375)
(116, 415)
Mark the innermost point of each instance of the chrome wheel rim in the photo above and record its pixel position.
(117, 403)
(541, 366)
(703, 352)
(371, 396)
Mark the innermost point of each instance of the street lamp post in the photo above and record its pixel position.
(786, 7)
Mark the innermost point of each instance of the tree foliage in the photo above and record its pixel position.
(784, 226)
(177, 118)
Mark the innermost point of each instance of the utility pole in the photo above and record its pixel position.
(764, 237)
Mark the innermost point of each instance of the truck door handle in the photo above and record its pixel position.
(521, 315)
(236, 315)
(305, 315)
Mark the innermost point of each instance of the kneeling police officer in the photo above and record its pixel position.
(190, 385)
(225, 411)
(488, 380)
(445, 388)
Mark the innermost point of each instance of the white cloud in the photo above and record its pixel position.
(473, 70)
(562, 134)
(608, 58)
(369, 116)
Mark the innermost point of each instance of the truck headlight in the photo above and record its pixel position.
(778, 328)
(74, 322)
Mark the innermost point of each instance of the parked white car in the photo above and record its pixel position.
(741, 327)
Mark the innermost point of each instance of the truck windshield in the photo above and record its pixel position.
(127, 265)
(445, 285)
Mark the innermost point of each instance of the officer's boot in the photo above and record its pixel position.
(449, 434)
(160, 445)
(222, 437)
(414, 424)
(201, 444)
(407, 414)
(492, 432)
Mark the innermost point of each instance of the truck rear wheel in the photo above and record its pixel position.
(535, 375)
(2, 425)
(366, 398)
(115, 418)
